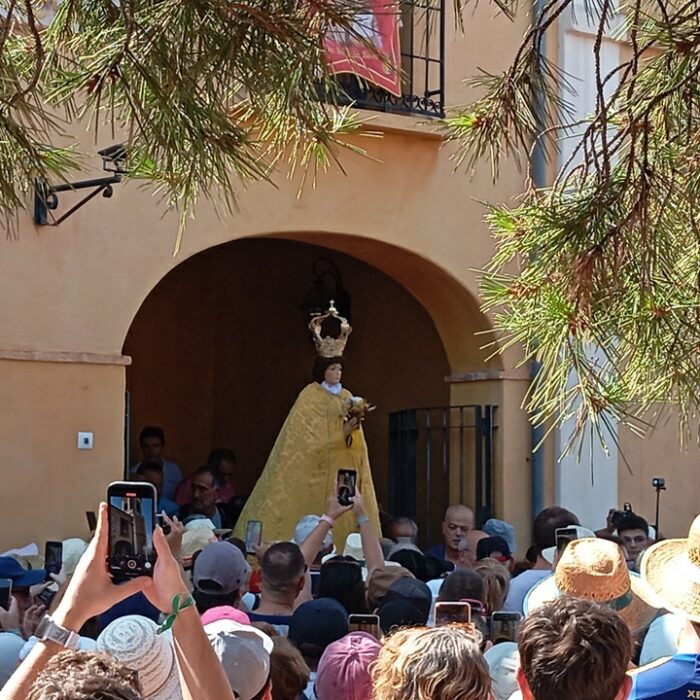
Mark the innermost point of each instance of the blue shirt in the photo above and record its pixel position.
(675, 679)
(172, 476)
(170, 507)
(438, 551)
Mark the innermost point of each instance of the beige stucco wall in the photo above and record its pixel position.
(48, 483)
(76, 289)
(661, 454)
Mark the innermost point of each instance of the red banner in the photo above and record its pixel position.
(379, 26)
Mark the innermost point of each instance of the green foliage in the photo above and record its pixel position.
(597, 277)
(205, 94)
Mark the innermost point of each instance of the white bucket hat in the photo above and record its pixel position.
(133, 641)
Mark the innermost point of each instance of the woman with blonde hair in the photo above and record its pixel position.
(496, 581)
(431, 663)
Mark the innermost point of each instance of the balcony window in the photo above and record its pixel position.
(422, 39)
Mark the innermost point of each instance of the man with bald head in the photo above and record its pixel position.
(467, 548)
(458, 522)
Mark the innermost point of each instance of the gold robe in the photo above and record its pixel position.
(301, 470)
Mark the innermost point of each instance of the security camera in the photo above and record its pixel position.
(113, 158)
(658, 483)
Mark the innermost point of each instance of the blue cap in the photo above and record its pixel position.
(21, 578)
(500, 528)
(321, 622)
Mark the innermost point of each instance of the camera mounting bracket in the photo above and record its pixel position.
(46, 199)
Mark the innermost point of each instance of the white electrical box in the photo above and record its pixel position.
(85, 441)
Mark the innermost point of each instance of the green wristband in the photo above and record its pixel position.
(362, 520)
(180, 603)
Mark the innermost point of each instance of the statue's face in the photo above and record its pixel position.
(333, 374)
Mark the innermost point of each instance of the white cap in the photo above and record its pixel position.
(244, 652)
(503, 660)
(306, 526)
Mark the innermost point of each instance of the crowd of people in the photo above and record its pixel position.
(586, 615)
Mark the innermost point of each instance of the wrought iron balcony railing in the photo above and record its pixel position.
(422, 36)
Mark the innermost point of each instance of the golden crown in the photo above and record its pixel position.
(329, 346)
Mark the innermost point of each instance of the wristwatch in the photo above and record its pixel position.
(48, 630)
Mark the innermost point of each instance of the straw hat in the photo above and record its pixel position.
(595, 569)
(133, 641)
(672, 570)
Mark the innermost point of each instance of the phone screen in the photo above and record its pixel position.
(132, 517)
(564, 535)
(452, 613)
(53, 557)
(315, 580)
(365, 623)
(5, 592)
(253, 536)
(347, 481)
(505, 626)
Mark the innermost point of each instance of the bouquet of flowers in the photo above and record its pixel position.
(357, 407)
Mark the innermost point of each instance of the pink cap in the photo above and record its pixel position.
(225, 612)
(343, 671)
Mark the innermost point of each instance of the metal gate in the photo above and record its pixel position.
(439, 456)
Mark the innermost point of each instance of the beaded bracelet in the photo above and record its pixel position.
(180, 603)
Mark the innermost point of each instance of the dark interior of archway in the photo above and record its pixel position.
(220, 350)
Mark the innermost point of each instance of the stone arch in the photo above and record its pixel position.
(183, 326)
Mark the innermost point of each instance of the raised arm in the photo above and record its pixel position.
(370, 542)
(201, 673)
(312, 545)
(89, 593)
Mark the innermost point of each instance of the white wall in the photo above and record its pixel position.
(586, 479)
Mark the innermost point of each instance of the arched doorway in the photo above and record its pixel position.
(220, 350)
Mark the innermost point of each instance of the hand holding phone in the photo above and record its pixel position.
(53, 559)
(347, 483)
(132, 519)
(253, 536)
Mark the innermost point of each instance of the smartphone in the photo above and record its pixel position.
(365, 623)
(5, 593)
(46, 597)
(347, 482)
(53, 558)
(91, 519)
(132, 519)
(453, 613)
(315, 581)
(253, 536)
(163, 523)
(564, 535)
(505, 626)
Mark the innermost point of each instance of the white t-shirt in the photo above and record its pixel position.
(520, 586)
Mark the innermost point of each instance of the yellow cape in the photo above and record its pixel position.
(301, 470)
